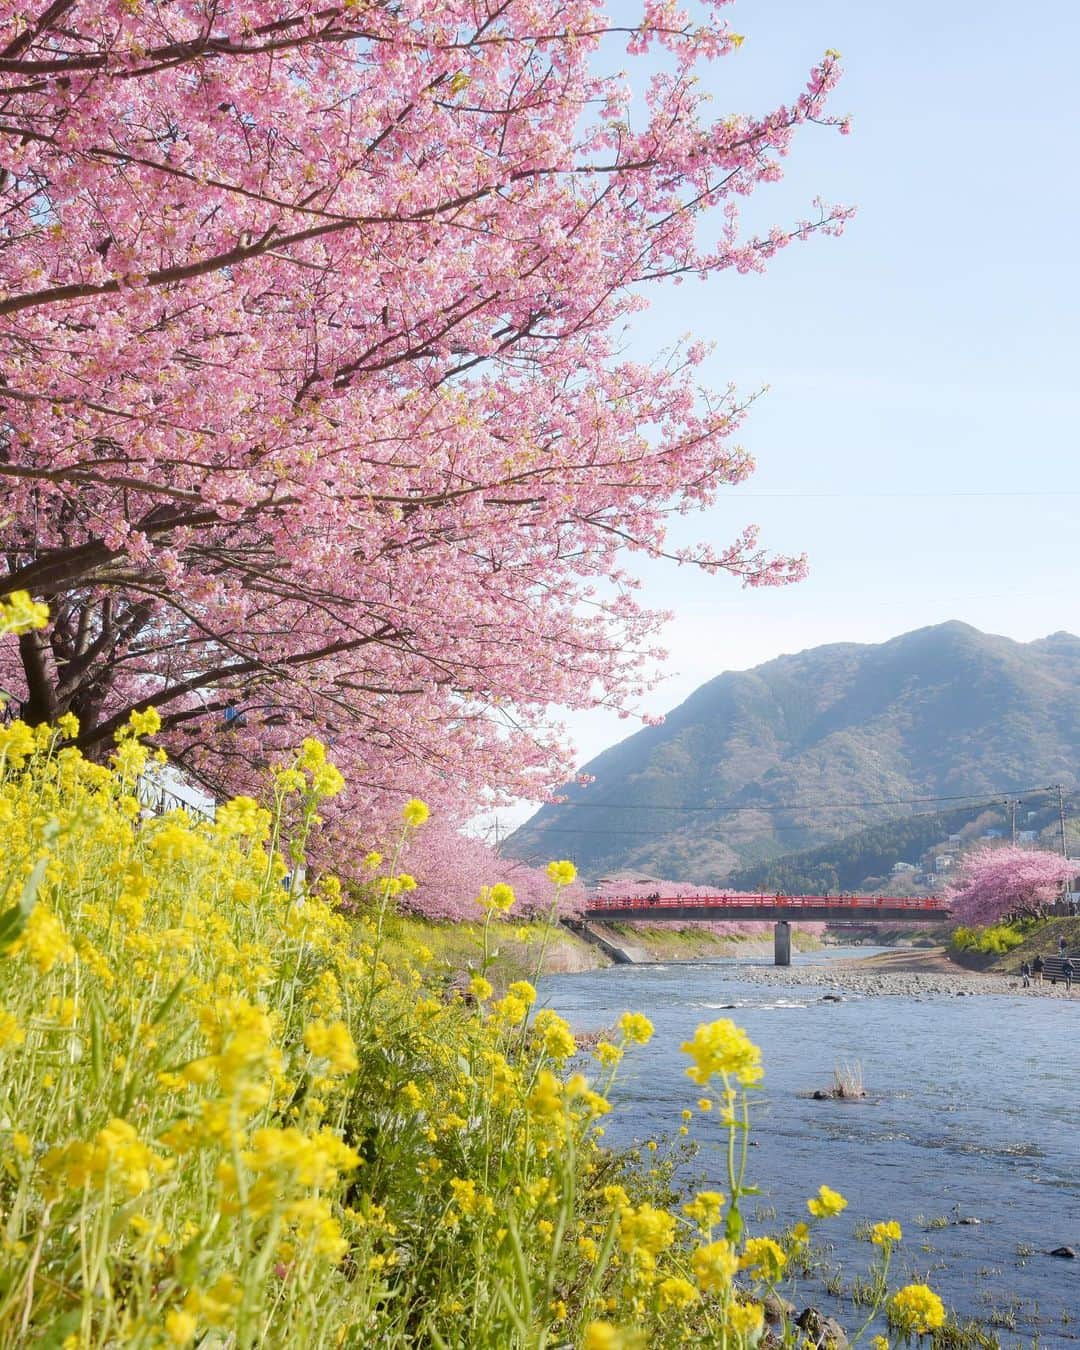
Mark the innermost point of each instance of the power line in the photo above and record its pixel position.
(655, 832)
(845, 496)
(726, 807)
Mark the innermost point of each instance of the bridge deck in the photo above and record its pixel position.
(809, 908)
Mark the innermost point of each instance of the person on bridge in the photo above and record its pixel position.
(1037, 969)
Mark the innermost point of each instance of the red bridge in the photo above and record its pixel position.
(779, 909)
(743, 905)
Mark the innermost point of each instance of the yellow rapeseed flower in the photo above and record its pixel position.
(915, 1310)
(415, 812)
(115, 1154)
(20, 614)
(605, 1336)
(675, 1292)
(332, 1042)
(44, 940)
(480, 988)
(746, 1319)
(11, 1033)
(721, 1047)
(714, 1265)
(555, 1034)
(636, 1027)
(145, 723)
(765, 1255)
(499, 897)
(562, 873)
(180, 1326)
(826, 1204)
(706, 1208)
(68, 725)
(645, 1232)
(885, 1234)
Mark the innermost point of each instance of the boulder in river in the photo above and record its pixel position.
(1069, 1253)
(821, 1332)
(777, 1308)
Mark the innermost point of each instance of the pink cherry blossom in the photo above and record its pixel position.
(315, 413)
(997, 883)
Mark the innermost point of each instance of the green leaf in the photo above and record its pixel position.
(169, 1001)
(97, 1043)
(57, 1332)
(734, 1226)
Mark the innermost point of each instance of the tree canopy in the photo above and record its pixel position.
(314, 410)
(1006, 882)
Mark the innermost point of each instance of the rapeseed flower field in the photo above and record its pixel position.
(226, 1120)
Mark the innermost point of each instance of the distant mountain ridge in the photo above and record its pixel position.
(810, 747)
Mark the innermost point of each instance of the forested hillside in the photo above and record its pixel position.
(807, 749)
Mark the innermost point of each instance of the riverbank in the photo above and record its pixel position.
(1043, 941)
(455, 947)
(907, 973)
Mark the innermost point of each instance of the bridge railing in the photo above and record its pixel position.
(917, 904)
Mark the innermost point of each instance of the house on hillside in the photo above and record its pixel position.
(1027, 836)
(903, 867)
(942, 862)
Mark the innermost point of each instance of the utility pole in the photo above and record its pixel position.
(1012, 803)
(1060, 790)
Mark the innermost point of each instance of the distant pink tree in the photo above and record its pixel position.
(996, 883)
(452, 868)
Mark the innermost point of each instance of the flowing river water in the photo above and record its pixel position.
(972, 1112)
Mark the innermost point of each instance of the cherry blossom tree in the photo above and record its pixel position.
(1001, 883)
(451, 870)
(314, 414)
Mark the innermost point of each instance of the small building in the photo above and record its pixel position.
(942, 862)
(1027, 836)
(899, 867)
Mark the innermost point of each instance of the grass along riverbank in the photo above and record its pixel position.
(1043, 940)
(454, 946)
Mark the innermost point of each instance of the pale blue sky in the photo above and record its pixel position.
(919, 440)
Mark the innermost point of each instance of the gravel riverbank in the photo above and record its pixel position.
(909, 975)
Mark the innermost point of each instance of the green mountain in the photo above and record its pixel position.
(863, 861)
(806, 749)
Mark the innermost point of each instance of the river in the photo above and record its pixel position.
(972, 1111)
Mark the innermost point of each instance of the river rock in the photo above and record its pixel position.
(821, 1332)
(832, 998)
(1069, 1253)
(777, 1308)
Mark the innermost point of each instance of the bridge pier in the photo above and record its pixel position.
(782, 943)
